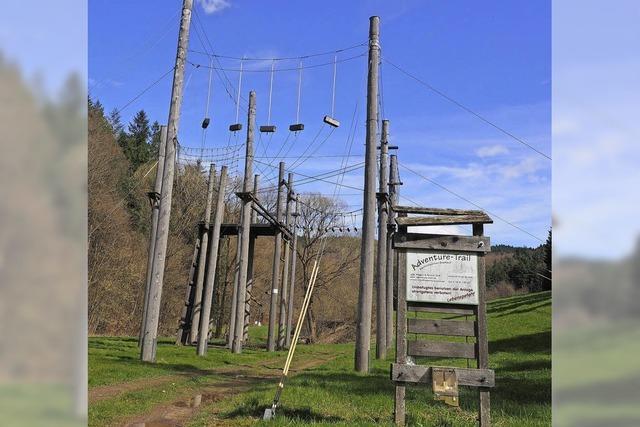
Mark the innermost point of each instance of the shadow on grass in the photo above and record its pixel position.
(253, 408)
(502, 307)
(533, 343)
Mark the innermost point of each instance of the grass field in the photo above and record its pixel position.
(226, 389)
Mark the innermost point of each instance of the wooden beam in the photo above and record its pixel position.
(441, 308)
(436, 211)
(401, 373)
(441, 349)
(442, 242)
(412, 221)
(442, 327)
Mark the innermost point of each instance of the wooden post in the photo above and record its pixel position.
(275, 272)
(401, 332)
(381, 256)
(292, 277)
(482, 345)
(394, 181)
(245, 228)
(202, 261)
(365, 295)
(252, 247)
(148, 350)
(234, 294)
(285, 269)
(185, 317)
(154, 197)
(212, 265)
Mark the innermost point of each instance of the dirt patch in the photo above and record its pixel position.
(341, 334)
(179, 412)
(97, 394)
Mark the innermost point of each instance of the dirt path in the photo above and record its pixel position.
(179, 412)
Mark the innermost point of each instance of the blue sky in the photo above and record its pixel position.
(494, 57)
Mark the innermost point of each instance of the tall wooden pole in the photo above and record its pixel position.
(275, 272)
(381, 256)
(245, 228)
(484, 409)
(212, 265)
(282, 329)
(154, 197)
(252, 247)
(363, 326)
(292, 277)
(394, 181)
(202, 261)
(149, 339)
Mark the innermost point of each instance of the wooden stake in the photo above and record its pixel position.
(381, 256)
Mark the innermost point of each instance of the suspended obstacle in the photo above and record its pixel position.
(297, 126)
(329, 119)
(269, 128)
(237, 125)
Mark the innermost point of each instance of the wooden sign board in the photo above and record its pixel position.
(442, 277)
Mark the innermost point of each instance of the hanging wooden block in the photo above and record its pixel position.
(331, 121)
(268, 128)
(235, 127)
(205, 122)
(296, 127)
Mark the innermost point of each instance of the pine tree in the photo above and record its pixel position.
(155, 140)
(136, 143)
(115, 121)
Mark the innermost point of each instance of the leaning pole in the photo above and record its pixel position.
(149, 339)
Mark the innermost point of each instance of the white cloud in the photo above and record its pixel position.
(213, 6)
(491, 151)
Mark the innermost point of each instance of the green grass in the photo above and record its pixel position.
(520, 347)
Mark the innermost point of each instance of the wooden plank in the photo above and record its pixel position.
(462, 310)
(411, 221)
(441, 349)
(442, 242)
(422, 375)
(401, 331)
(436, 211)
(484, 409)
(460, 328)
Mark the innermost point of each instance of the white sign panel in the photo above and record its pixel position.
(434, 276)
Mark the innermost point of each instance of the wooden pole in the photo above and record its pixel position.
(285, 270)
(212, 265)
(154, 198)
(234, 294)
(292, 277)
(252, 247)
(394, 179)
(149, 339)
(245, 228)
(202, 261)
(484, 410)
(275, 272)
(185, 316)
(401, 328)
(363, 325)
(381, 256)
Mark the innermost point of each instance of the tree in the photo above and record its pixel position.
(115, 121)
(548, 259)
(155, 140)
(136, 143)
(317, 216)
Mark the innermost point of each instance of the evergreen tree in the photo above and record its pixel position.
(136, 143)
(116, 122)
(155, 140)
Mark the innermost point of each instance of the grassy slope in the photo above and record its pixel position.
(520, 346)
